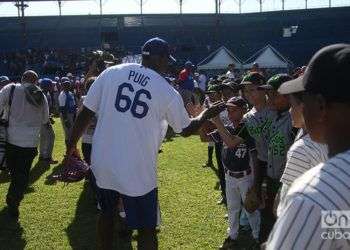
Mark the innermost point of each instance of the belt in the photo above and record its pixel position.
(238, 175)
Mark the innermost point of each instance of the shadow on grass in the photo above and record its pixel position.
(54, 171)
(37, 171)
(11, 232)
(82, 230)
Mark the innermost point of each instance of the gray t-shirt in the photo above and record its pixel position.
(258, 124)
(279, 137)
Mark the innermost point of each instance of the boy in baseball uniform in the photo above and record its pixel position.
(237, 148)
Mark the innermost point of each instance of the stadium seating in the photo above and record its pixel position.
(193, 36)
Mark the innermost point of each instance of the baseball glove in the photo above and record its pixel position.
(251, 202)
(74, 170)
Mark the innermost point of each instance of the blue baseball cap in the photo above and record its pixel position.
(46, 81)
(157, 47)
(4, 79)
(189, 65)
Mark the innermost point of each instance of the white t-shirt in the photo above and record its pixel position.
(63, 97)
(131, 103)
(25, 119)
(89, 132)
(230, 74)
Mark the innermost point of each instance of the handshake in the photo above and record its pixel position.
(211, 113)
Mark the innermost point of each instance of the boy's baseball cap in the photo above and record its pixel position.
(237, 101)
(65, 80)
(253, 78)
(157, 47)
(327, 74)
(212, 89)
(232, 85)
(4, 79)
(46, 81)
(275, 82)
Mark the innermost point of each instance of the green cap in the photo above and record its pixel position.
(253, 78)
(275, 82)
(213, 88)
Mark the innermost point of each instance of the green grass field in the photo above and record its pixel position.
(64, 217)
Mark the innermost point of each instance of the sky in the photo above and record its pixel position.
(159, 6)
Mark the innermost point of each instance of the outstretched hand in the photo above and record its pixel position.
(194, 110)
(214, 110)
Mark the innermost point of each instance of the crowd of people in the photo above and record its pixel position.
(280, 141)
(48, 61)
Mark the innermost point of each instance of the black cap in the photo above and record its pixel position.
(229, 84)
(157, 47)
(327, 74)
(237, 101)
(253, 78)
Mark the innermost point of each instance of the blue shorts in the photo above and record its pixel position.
(141, 211)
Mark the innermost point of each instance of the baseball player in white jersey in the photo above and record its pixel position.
(303, 154)
(131, 102)
(315, 212)
(237, 148)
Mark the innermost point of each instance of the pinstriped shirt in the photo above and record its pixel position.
(303, 155)
(324, 187)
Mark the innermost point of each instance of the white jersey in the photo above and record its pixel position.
(131, 103)
(303, 155)
(230, 75)
(301, 224)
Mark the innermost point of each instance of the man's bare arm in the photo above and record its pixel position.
(82, 122)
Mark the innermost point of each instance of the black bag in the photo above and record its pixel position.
(4, 122)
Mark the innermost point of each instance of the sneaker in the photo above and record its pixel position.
(228, 244)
